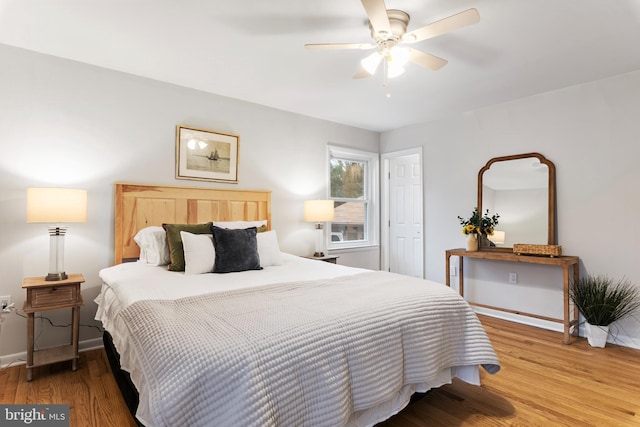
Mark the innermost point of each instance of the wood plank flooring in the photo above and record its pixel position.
(91, 392)
(542, 383)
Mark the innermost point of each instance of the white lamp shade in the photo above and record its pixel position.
(371, 62)
(399, 56)
(318, 210)
(56, 205)
(396, 60)
(497, 237)
(394, 71)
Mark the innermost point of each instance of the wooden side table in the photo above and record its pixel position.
(45, 295)
(570, 271)
(327, 258)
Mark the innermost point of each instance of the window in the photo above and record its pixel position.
(353, 189)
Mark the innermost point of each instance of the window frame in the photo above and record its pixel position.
(370, 195)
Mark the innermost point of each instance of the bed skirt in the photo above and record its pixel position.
(123, 379)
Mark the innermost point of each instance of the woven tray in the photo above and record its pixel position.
(544, 250)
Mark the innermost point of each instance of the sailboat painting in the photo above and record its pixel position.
(206, 155)
(213, 158)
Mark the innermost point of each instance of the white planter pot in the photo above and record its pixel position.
(596, 335)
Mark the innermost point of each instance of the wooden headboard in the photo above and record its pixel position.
(141, 205)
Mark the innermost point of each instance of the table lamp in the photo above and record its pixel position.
(56, 205)
(318, 211)
(497, 237)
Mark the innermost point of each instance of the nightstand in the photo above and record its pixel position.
(45, 295)
(327, 258)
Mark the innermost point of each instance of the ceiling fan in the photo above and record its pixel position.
(389, 31)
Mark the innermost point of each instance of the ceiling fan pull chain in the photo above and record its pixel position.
(385, 74)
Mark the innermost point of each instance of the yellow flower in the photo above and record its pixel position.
(479, 224)
(469, 229)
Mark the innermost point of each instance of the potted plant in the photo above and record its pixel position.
(478, 227)
(602, 301)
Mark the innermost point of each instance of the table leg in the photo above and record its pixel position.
(75, 330)
(461, 276)
(30, 336)
(576, 312)
(567, 317)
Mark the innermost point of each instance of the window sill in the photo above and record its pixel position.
(344, 250)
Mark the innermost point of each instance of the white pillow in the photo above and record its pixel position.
(154, 249)
(268, 249)
(199, 254)
(234, 225)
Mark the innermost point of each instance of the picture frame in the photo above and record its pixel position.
(206, 155)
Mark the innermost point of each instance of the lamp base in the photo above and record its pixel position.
(56, 254)
(318, 254)
(52, 277)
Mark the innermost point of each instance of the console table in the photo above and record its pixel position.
(570, 269)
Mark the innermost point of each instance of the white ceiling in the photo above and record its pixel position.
(253, 50)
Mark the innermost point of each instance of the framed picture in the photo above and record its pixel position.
(206, 155)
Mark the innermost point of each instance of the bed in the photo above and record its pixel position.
(292, 341)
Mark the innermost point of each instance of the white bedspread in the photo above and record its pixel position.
(324, 352)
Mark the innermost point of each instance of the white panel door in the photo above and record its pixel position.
(405, 216)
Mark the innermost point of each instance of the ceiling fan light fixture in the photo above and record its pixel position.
(399, 56)
(394, 70)
(371, 62)
(389, 29)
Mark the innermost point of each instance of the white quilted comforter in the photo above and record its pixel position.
(313, 353)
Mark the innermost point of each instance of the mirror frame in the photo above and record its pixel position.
(551, 215)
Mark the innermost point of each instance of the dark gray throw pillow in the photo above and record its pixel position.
(236, 250)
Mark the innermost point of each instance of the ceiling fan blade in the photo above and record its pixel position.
(362, 74)
(377, 14)
(426, 60)
(329, 46)
(453, 22)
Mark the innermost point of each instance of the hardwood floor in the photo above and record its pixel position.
(542, 383)
(91, 392)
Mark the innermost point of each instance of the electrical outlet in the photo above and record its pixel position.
(452, 270)
(513, 278)
(5, 301)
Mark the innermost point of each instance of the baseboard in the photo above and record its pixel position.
(91, 344)
(618, 338)
(615, 337)
(21, 358)
(518, 318)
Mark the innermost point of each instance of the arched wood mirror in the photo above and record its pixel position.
(522, 190)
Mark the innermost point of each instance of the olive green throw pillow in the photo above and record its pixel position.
(176, 250)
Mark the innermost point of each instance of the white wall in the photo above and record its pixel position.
(592, 134)
(68, 124)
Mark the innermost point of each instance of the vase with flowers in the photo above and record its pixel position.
(477, 227)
